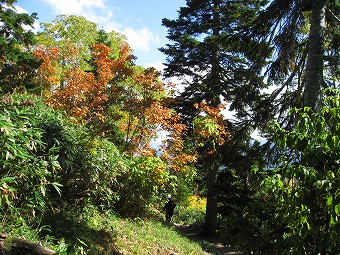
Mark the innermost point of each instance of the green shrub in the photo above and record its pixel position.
(191, 212)
(297, 207)
(306, 186)
(141, 185)
(29, 171)
(108, 164)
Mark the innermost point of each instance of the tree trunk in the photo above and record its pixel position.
(215, 81)
(11, 245)
(314, 66)
(210, 223)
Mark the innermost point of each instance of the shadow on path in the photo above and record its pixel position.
(209, 244)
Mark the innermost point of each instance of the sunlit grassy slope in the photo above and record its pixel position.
(93, 233)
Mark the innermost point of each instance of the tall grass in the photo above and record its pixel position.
(96, 233)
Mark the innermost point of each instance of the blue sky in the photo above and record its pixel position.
(139, 20)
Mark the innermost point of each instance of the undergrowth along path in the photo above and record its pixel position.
(210, 244)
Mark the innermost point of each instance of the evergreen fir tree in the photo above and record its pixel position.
(207, 49)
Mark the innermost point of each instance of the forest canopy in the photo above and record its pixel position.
(79, 119)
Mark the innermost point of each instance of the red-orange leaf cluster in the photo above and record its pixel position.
(47, 68)
(85, 94)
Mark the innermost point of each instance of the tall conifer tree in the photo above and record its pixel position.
(206, 49)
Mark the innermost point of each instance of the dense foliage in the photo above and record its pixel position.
(203, 51)
(17, 63)
(30, 169)
(295, 209)
(306, 186)
(264, 58)
(78, 119)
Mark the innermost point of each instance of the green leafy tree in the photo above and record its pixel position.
(141, 185)
(70, 33)
(307, 185)
(73, 37)
(305, 188)
(17, 64)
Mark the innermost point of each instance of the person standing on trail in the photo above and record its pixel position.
(169, 208)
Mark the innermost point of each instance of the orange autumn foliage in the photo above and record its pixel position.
(122, 65)
(85, 94)
(155, 116)
(148, 79)
(146, 113)
(173, 149)
(47, 70)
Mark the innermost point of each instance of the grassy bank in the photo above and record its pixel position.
(96, 233)
(151, 237)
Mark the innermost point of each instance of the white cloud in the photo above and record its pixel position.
(227, 113)
(159, 66)
(102, 14)
(158, 140)
(75, 6)
(140, 39)
(179, 82)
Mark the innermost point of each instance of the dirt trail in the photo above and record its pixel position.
(210, 244)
